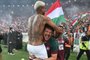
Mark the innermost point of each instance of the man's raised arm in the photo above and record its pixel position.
(55, 27)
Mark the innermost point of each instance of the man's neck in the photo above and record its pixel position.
(40, 13)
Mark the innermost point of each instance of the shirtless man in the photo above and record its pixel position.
(36, 25)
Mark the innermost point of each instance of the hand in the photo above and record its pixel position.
(37, 59)
(32, 57)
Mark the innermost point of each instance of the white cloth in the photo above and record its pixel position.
(82, 34)
(39, 51)
(61, 47)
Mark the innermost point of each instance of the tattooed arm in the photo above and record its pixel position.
(49, 22)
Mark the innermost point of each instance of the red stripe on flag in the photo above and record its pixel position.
(53, 7)
(74, 21)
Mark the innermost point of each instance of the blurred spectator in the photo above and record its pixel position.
(0, 46)
(61, 45)
(5, 37)
(84, 46)
(68, 45)
(19, 36)
(11, 41)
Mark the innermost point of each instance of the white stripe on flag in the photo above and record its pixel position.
(74, 23)
(56, 13)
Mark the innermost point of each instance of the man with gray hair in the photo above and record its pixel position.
(36, 24)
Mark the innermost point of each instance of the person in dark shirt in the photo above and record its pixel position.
(5, 38)
(1, 37)
(0, 53)
(50, 43)
(11, 41)
(19, 36)
(61, 43)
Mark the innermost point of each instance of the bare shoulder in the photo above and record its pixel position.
(30, 20)
(31, 17)
(46, 18)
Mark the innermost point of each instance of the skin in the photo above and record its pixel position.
(70, 37)
(47, 34)
(61, 30)
(88, 32)
(35, 29)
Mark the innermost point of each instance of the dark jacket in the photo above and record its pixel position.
(11, 37)
(0, 49)
(1, 37)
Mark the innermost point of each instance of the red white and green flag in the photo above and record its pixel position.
(55, 12)
(74, 22)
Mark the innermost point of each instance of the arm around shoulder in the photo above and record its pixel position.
(53, 57)
(49, 22)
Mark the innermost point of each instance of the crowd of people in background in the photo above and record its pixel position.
(67, 36)
(58, 45)
(11, 39)
(16, 22)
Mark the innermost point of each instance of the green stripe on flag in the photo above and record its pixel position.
(59, 19)
(75, 24)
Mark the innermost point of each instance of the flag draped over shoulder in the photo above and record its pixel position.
(55, 12)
